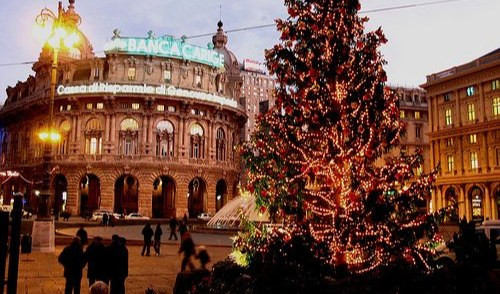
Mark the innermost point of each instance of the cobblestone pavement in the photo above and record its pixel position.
(41, 273)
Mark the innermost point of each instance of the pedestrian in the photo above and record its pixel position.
(104, 219)
(111, 220)
(118, 264)
(99, 287)
(95, 258)
(82, 234)
(157, 239)
(148, 233)
(173, 226)
(71, 259)
(187, 247)
(203, 257)
(185, 218)
(183, 228)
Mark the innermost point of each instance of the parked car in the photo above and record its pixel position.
(98, 214)
(204, 216)
(136, 216)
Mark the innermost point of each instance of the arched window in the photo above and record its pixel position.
(65, 129)
(197, 141)
(93, 137)
(129, 133)
(221, 145)
(164, 139)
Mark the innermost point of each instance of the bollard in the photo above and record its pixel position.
(4, 239)
(15, 241)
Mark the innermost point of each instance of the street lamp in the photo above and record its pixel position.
(58, 32)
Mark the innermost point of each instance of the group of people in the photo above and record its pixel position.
(187, 245)
(106, 265)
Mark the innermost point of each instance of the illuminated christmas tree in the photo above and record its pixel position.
(311, 160)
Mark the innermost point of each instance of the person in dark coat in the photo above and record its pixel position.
(82, 234)
(119, 264)
(104, 219)
(148, 233)
(157, 238)
(173, 226)
(95, 258)
(187, 247)
(183, 228)
(72, 260)
(203, 257)
(185, 218)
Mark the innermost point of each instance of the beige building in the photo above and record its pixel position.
(257, 89)
(464, 122)
(142, 131)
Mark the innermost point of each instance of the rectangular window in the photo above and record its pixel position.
(471, 114)
(167, 76)
(473, 160)
(160, 107)
(473, 138)
(418, 131)
(136, 106)
(496, 106)
(471, 91)
(417, 114)
(197, 81)
(89, 106)
(447, 97)
(171, 108)
(495, 85)
(448, 119)
(96, 73)
(68, 107)
(131, 74)
(402, 114)
(100, 105)
(61, 108)
(449, 142)
(451, 162)
(93, 146)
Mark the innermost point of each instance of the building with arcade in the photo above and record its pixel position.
(151, 127)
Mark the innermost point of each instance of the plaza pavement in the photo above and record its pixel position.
(41, 273)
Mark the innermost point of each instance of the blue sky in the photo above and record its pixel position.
(422, 40)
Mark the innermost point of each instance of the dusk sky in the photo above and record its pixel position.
(422, 40)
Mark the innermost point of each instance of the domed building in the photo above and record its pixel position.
(151, 127)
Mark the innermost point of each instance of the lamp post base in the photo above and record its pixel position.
(43, 235)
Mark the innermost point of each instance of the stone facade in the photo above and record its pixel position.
(464, 123)
(127, 152)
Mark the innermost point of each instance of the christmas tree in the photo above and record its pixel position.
(311, 160)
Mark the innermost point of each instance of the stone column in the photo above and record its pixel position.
(461, 203)
(210, 208)
(72, 193)
(144, 133)
(73, 128)
(107, 193)
(106, 132)
(487, 202)
(181, 200)
(468, 212)
(78, 133)
(113, 128)
(145, 197)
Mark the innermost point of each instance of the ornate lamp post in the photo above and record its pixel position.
(58, 32)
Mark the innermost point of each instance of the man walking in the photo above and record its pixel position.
(148, 233)
(72, 260)
(173, 226)
(95, 257)
(157, 239)
(82, 234)
(187, 246)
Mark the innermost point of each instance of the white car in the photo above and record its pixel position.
(204, 216)
(136, 216)
(98, 214)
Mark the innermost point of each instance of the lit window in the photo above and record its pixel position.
(417, 114)
(171, 108)
(61, 108)
(495, 85)
(160, 107)
(167, 76)
(447, 97)
(473, 160)
(470, 91)
(419, 170)
(93, 146)
(131, 74)
(68, 107)
(448, 119)
(471, 114)
(449, 142)
(473, 138)
(197, 80)
(96, 73)
(451, 163)
(136, 106)
(100, 105)
(496, 106)
(89, 105)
